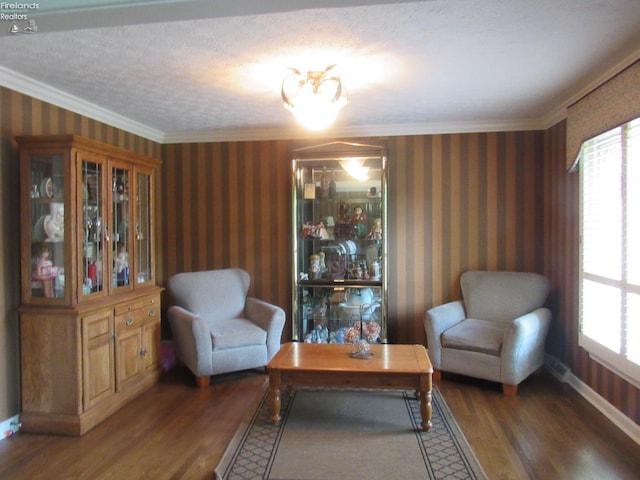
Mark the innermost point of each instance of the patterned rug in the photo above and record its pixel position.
(349, 434)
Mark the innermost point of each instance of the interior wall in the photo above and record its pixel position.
(456, 202)
(561, 236)
(228, 205)
(23, 115)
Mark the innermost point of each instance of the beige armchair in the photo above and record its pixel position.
(497, 332)
(217, 328)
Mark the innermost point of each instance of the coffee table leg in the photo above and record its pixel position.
(425, 410)
(274, 394)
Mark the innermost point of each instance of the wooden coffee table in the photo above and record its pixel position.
(329, 365)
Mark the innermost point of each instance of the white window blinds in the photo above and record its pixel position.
(610, 249)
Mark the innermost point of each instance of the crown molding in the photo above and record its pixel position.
(392, 130)
(623, 64)
(34, 88)
(41, 91)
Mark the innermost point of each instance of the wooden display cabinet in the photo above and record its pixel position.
(90, 309)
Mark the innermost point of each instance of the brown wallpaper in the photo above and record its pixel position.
(228, 205)
(561, 227)
(457, 202)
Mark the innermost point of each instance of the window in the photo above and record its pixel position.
(610, 250)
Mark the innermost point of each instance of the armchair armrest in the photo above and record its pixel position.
(523, 345)
(268, 317)
(193, 340)
(436, 321)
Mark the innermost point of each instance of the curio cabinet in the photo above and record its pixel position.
(90, 308)
(339, 243)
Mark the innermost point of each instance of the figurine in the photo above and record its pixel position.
(343, 212)
(321, 231)
(358, 219)
(121, 265)
(314, 267)
(54, 223)
(308, 230)
(376, 230)
(45, 272)
(358, 216)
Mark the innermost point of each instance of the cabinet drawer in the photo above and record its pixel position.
(137, 318)
(150, 301)
(97, 325)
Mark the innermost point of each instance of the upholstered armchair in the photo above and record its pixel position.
(217, 327)
(497, 332)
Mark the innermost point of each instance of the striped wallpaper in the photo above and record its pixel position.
(456, 202)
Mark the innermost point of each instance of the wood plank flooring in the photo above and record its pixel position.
(177, 431)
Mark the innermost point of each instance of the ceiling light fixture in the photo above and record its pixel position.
(315, 98)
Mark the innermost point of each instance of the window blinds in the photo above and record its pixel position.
(610, 249)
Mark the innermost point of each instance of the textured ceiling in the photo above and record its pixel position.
(203, 71)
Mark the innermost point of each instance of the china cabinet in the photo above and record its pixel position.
(339, 243)
(90, 309)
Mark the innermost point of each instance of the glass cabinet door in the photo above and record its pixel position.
(94, 227)
(142, 234)
(339, 244)
(121, 242)
(48, 241)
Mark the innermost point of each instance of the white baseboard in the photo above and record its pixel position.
(619, 419)
(9, 426)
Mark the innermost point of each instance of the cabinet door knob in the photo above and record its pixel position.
(128, 322)
(143, 352)
(152, 312)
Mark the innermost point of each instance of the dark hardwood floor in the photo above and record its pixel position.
(177, 431)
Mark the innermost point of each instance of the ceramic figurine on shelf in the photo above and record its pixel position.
(323, 263)
(315, 270)
(308, 230)
(54, 223)
(321, 231)
(343, 212)
(45, 272)
(121, 265)
(358, 219)
(376, 230)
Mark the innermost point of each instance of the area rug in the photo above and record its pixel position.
(349, 434)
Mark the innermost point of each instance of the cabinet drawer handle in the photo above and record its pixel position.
(128, 322)
(152, 312)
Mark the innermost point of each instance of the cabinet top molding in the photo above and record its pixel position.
(76, 141)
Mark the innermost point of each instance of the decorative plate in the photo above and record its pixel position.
(46, 188)
(354, 310)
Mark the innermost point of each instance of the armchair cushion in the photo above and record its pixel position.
(235, 333)
(475, 335)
